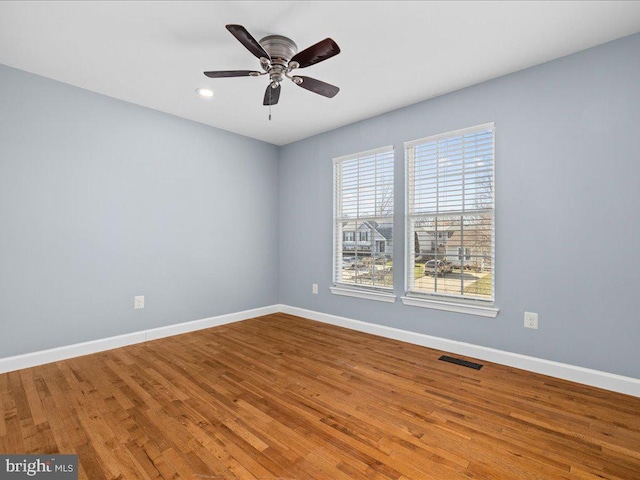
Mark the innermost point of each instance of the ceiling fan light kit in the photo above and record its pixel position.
(278, 57)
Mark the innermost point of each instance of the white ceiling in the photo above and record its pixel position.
(393, 53)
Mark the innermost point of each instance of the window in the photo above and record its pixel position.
(450, 216)
(363, 203)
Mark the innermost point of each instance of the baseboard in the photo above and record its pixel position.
(18, 362)
(595, 378)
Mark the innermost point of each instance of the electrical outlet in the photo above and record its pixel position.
(314, 288)
(531, 320)
(138, 302)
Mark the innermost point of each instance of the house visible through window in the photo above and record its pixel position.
(450, 214)
(363, 221)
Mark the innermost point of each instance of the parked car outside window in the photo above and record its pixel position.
(438, 267)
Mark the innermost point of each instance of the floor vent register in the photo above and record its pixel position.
(459, 361)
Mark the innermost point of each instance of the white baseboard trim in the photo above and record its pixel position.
(33, 359)
(595, 378)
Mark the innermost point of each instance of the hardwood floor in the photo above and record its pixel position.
(280, 397)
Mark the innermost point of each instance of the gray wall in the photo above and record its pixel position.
(101, 200)
(567, 201)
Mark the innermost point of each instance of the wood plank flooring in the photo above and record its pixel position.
(281, 397)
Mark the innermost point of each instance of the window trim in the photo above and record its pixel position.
(462, 306)
(440, 301)
(361, 292)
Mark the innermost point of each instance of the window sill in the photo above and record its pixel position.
(353, 292)
(490, 312)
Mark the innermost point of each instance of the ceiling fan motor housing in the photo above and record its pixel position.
(279, 47)
(281, 50)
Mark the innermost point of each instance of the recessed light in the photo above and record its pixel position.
(204, 92)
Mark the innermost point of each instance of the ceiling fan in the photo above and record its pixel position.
(279, 56)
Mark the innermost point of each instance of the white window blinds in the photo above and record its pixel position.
(363, 219)
(450, 214)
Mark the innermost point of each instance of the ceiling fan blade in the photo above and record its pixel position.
(250, 43)
(232, 73)
(317, 53)
(271, 95)
(317, 86)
